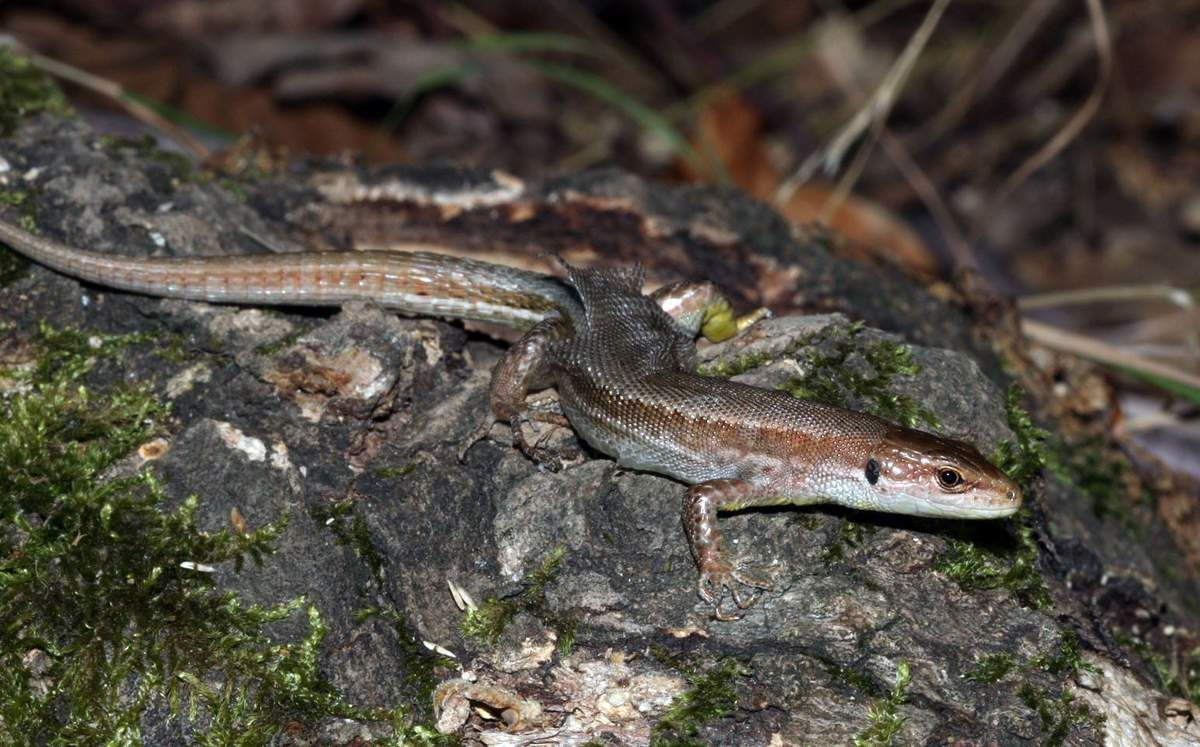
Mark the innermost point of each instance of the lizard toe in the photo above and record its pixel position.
(720, 578)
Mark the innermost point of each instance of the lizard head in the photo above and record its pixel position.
(920, 474)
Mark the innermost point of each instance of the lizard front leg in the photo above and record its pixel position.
(524, 368)
(700, 506)
(700, 308)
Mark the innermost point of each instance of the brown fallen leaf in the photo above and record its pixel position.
(870, 230)
(729, 133)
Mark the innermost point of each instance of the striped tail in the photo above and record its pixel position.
(419, 282)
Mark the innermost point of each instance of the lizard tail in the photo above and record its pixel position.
(419, 282)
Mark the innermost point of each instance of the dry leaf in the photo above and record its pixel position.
(870, 230)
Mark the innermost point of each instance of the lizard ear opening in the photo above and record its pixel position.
(872, 471)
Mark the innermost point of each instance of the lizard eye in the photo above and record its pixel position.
(949, 478)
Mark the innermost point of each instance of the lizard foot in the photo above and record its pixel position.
(745, 321)
(721, 577)
(545, 458)
(476, 436)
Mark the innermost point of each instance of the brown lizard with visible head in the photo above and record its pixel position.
(623, 364)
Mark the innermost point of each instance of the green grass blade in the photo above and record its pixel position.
(645, 117)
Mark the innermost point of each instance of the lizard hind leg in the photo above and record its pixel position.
(525, 367)
(700, 308)
(717, 574)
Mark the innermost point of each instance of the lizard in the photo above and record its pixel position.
(623, 364)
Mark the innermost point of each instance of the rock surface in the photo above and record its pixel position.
(349, 422)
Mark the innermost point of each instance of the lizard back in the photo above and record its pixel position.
(626, 378)
(622, 334)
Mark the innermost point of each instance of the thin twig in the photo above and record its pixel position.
(117, 93)
(846, 184)
(999, 61)
(875, 110)
(1079, 120)
(956, 241)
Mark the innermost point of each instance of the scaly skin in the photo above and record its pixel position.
(623, 365)
(417, 282)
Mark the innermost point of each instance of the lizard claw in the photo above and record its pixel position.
(543, 457)
(714, 581)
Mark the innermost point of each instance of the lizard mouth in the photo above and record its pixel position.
(985, 507)
(983, 512)
(955, 507)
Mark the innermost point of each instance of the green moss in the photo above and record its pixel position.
(1065, 659)
(1179, 676)
(886, 720)
(1023, 459)
(732, 367)
(271, 348)
(25, 91)
(807, 521)
(172, 348)
(391, 473)
(68, 352)
(101, 584)
(107, 607)
(24, 202)
(850, 534)
(1015, 570)
(565, 631)
(665, 657)
(992, 668)
(854, 678)
(350, 529)
(1095, 469)
(488, 621)
(179, 167)
(234, 188)
(1090, 466)
(12, 264)
(848, 371)
(710, 696)
(1058, 715)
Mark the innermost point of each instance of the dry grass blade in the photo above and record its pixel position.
(1079, 120)
(1180, 325)
(1028, 22)
(846, 184)
(1166, 377)
(116, 92)
(721, 14)
(1054, 299)
(641, 78)
(873, 112)
(957, 243)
